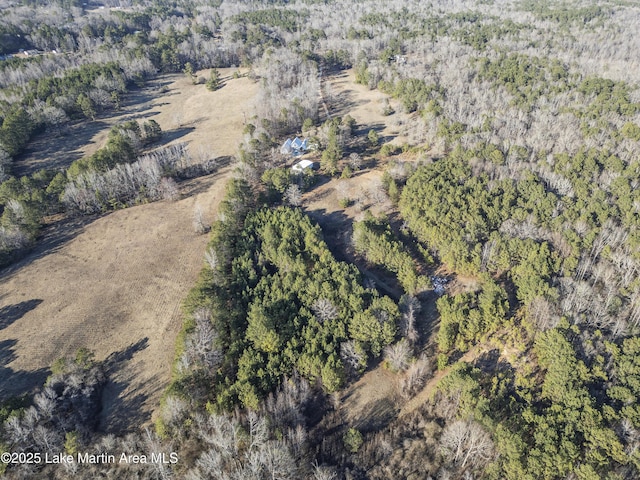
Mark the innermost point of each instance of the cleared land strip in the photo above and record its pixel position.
(115, 285)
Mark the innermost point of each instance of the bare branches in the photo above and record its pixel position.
(324, 310)
(125, 184)
(293, 195)
(234, 454)
(415, 377)
(285, 406)
(355, 161)
(409, 307)
(466, 442)
(290, 91)
(398, 355)
(199, 224)
(200, 347)
(352, 357)
(211, 258)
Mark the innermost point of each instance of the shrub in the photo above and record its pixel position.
(352, 440)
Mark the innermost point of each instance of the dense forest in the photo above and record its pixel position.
(518, 185)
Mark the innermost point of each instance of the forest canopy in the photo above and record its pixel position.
(495, 199)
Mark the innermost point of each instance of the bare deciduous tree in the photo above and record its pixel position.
(293, 195)
(211, 257)
(168, 189)
(323, 473)
(173, 410)
(199, 224)
(351, 356)
(125, 184)
(415, 376)
(324, 310)
(284, 407)
(377, 192)
(398, 355)
(466, 442)
(541, 313)
(342, 190)
(409, 307)
(13, 238)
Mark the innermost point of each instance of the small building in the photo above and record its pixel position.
(304, 165)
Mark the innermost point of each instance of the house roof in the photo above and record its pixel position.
(302, 165)
(286, 146)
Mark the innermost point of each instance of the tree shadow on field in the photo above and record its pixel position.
(376, 415)
(174, 134)
(190, 187)
(492, 361)
(343, 102)
(122, 411)
(14, 383)
(53, 237)
(363, 129)
(56, 151)
(11, 313)
(117, 358)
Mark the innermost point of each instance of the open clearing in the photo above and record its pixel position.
(210, 122)
(365, 106)
(374, 400)
(116, 285)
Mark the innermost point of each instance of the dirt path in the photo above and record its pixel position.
(429, 389)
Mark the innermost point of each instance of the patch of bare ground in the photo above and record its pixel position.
(462, 284)
(372, 402)
(115, 284)
(366, 106)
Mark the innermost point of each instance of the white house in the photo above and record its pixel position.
(294, 147)
(304, 165)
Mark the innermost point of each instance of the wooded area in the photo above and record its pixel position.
(518, 184)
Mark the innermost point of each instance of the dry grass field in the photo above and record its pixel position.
(115, 284)
(373, 401)
(366, 107)
(207, 120)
